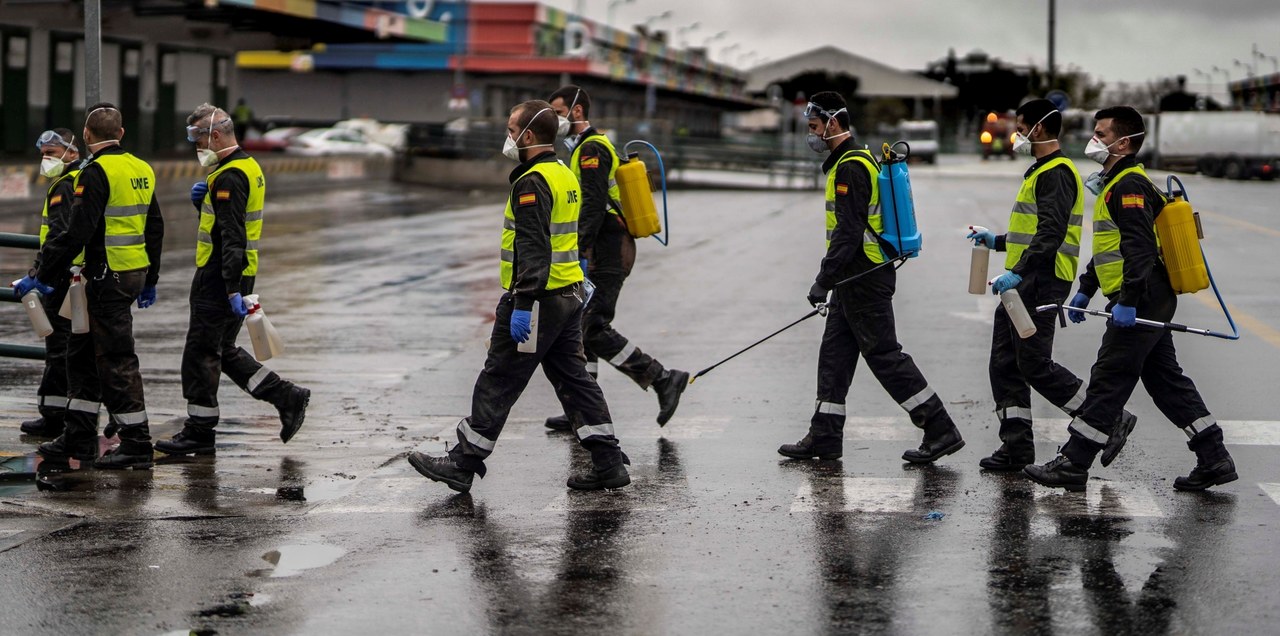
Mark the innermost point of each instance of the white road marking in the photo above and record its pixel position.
(1272, 490)
(856, 494)
(1102, 499)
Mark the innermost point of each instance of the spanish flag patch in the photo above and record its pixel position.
(1132, 201)
(528, 199)
(589, 163)
(224, 195)
(55, 199)
(842, 189)
(79, 190)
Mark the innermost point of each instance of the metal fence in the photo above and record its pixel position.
(10, 350)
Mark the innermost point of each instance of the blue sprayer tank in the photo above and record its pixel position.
(896, 208)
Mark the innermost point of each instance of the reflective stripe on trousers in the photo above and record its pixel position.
(622, 356)
(1013, 413)
(1076, 401)
(599, 430)
(830, 408)
(1083, 429)
(130, 419)
(474, 438)
(54, 401)
(84, 406)
(258, 378)
(196, 410)
(911, 403)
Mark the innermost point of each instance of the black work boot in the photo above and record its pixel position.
(49, 427)
(809, 448)
(190, 440)
(669, 386)
(1003, 461)
(559, 423)
(1214, 465)
(293, 409)
(442, 469)
(1059, 473)
(84, 449)
(133, 451)
(615, 477)
(1119, 435)
(939, 441)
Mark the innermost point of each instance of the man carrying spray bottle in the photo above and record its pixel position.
(1126, 266)
(59, 158)
(230, 201)
(607, 252)
(540, 272)
(860, 318)
(1042, 252)
(116, 222)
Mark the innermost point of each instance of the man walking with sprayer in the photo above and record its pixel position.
(1042, 250)
(230, 201)
(860, 319)
(1126, 266)
(539, 318)
(607, 252)
(58, 160)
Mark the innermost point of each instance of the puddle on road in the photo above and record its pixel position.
(291, 560)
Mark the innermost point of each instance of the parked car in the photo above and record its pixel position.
(922, 136)
(323, 142)
(274, 140)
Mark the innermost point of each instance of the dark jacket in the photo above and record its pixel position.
(1137, 236)
(602, 235)
(845, 255)
(1055, 196)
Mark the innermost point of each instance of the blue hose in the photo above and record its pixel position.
(662, 169)
(1235, 333)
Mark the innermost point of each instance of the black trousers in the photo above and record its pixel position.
(507, 371)
(52, 394)
(1018, 365)
(102, 367)
(211, 350)
(604, 342)
(1125, 357)
(868, 330)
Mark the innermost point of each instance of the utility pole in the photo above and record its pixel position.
(1052, 28)
(92, 53)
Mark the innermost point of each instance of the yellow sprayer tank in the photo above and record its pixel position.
(637, 198)
(1178, 230)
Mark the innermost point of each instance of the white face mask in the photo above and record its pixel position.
(562, 129)
(511, 150)
(1022, 143)
(207, 158)
(52, 167)
(1099, 152)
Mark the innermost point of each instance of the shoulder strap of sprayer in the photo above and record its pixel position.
(1169, 196)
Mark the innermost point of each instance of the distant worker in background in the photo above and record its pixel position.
(59, 162)
(231, 201)
(544, 296)
(607, 252)
(1042, 250)
(242, 117)
(115, 220)
(1126, 266)
(860, 319)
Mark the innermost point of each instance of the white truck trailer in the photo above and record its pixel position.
(1230, 144)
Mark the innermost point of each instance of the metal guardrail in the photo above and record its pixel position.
(9, 350)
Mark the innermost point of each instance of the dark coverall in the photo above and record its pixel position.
(102, 367)
(860, 320)
(603, 239)
(507, 371)
(1135, 353)
(1019, 364)
(53, 384)
(211, 347)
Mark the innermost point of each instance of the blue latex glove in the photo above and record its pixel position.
(238, 306)
(1005, 282)
(1124, 315)
(27, 283)
(983, 237)
(583, 264)
(198, 190)
(520, 320)
(1081, 301)
(147, 298)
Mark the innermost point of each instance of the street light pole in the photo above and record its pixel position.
(1052, 25)
(92, 52)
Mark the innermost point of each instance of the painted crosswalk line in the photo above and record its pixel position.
(1102, 499)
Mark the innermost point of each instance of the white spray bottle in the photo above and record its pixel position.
(978, 261)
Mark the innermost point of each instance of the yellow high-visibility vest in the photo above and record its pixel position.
(875, 222)
(252, 213)
(133, 185)
(1025, 219)
(564, 227)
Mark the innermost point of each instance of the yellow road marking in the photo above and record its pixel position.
(1252, 227)
(1244, 320)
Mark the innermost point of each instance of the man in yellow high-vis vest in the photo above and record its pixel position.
(230, 202)
(1042, 250)
(59, 158)
(539, 269)
(860, 314)
(1126, 266)
(608, 252)
(116, 221)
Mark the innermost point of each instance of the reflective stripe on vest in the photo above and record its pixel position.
(564, 227)
(615, 195)
(252, 213)
(1108, 261)
(44, 214)
(1025, 220)
(132, 185)
(870, 244)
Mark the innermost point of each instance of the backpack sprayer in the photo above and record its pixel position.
(638, 209)
(1178, 231)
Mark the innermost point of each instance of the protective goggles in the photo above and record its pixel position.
(813, 110)
(194, 132)
(49, 137)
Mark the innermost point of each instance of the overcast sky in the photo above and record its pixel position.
(1115, 40)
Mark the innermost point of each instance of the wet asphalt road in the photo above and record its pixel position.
(384, 295)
